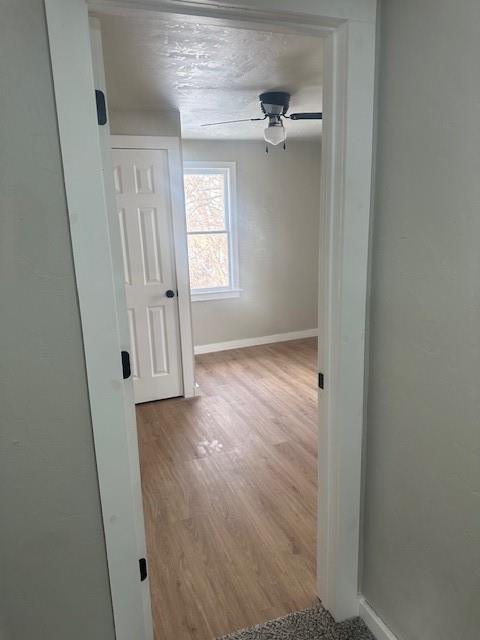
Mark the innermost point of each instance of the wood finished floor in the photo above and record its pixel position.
(229, 487)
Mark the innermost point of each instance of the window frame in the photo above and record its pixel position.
(229, 170)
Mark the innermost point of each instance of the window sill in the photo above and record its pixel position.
(215, 295)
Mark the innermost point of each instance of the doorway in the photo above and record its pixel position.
(237, 463)
(347, 151)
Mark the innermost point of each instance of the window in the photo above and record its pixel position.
(211, 229)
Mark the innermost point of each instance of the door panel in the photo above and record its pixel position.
(142, 188)
(157, 331)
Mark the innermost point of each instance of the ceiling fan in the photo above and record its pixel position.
(274, 105)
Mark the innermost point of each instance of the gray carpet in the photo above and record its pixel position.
(311, 624)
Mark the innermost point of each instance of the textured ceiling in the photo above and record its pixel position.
(210, 73)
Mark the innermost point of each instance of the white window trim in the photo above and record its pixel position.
(230, 171)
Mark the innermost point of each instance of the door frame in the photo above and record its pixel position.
(116, 448)
(171, 144)
(348, 30)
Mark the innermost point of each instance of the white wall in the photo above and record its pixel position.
(53, 570)
(278, 225)
(144, 122)
(421, 560)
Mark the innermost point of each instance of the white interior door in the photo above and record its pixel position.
(143, 192)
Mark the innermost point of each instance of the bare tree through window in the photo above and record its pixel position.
(207, 229)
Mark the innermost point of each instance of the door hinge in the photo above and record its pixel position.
(142, 563)
(320, 381)
(101, 107)
(127, 370)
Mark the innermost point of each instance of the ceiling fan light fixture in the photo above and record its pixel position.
(274, 105)
(275, 133)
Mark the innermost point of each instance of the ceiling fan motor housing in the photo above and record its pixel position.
(274, 103)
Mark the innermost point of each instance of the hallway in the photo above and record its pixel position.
(229, 486)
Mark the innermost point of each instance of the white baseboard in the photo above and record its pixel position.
(374, 622)
(252, 342)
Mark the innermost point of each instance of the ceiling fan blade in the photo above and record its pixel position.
(306, 116)
(213, 124)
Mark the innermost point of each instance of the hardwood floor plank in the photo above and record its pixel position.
(229, 487)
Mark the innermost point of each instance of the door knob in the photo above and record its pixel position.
(170, 293)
